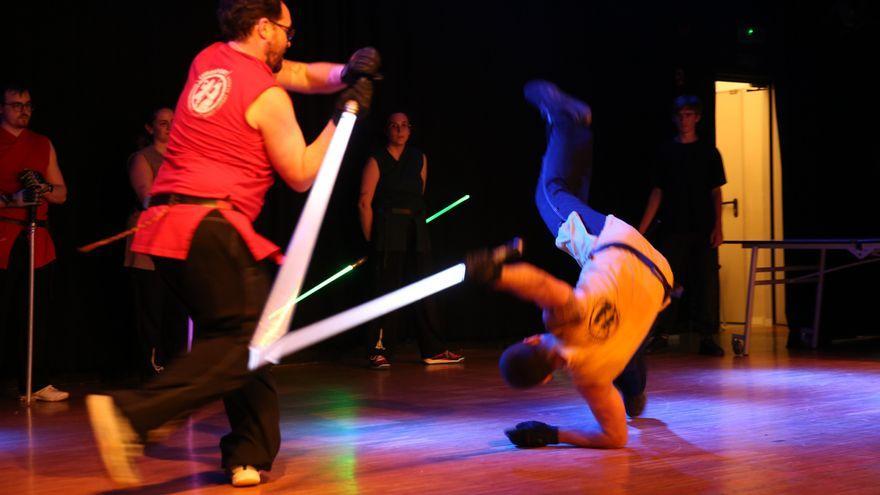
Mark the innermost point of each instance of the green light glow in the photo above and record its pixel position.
(444, 210)
(330, 280)
(338, 411)
(325, 283)
(361, 261)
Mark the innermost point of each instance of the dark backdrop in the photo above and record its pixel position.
(97, 67)
(831, 164)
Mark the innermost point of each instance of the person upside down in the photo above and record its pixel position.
(596, 328)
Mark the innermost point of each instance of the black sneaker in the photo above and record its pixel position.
(708, 347)
(556, 105)
(635, 404)
(658, 343)
(796, 339)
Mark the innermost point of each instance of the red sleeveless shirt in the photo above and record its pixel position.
(27, 150)
(213, 153)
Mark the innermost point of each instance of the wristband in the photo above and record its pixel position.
(335, 76)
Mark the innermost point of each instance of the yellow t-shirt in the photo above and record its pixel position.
(616, 300)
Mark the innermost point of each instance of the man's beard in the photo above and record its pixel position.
(275, 63)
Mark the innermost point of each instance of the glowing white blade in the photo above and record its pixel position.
(282, 299)
(324, 329)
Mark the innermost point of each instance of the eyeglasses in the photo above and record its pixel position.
(288, 30)
(19, 106)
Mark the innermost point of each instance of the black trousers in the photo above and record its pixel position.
(695, 264)
(223, 289)
(393, 270)
(159, 319)
(634, 378)
(14, 315)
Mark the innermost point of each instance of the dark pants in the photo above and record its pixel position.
(14, 315)
(695, 265)
(159, 319)
(393, 270)
(564, 183)
(224, 289)
(563, 187)
(633, 379)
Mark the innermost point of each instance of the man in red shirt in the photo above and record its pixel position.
(234, 125)
(21, 149)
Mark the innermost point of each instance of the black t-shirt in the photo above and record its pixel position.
(687, 174)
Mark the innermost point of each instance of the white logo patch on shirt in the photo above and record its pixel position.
(210, 91)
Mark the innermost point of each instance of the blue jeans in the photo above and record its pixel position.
(563, 187)
(564, 184)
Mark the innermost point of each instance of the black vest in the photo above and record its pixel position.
(398, 204)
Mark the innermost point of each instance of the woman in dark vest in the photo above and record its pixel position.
(392, 214)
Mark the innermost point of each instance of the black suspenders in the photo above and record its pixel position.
(667, 289)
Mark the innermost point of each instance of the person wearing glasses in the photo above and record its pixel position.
(685, 201)
(21, 149)
(392, 215)
(234, 127)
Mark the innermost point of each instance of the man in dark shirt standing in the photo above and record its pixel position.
(686, 201)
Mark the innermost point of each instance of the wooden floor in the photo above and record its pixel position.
(767, 423)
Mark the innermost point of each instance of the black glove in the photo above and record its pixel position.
(363, 63)
(360, 92)
(484, 266)
(530, 434)
(20, 199)
(31, 179)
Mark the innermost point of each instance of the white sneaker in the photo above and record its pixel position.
(245, 476)
(49, 394)
(117, 441)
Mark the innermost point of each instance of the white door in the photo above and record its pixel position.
(743, 136)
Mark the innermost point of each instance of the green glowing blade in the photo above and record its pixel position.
(361, 261)
(325, 283)
(444, 210)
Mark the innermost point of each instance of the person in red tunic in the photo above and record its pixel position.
(22, 149)
(234, 125)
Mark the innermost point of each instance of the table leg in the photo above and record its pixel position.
(740, 343)
(817, 315)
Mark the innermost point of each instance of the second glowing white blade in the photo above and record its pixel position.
(278, 311)
(324, 329)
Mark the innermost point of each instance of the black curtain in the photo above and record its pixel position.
(831, 166)
(97, 67)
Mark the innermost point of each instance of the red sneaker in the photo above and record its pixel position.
(445, 357)
(379, 362)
